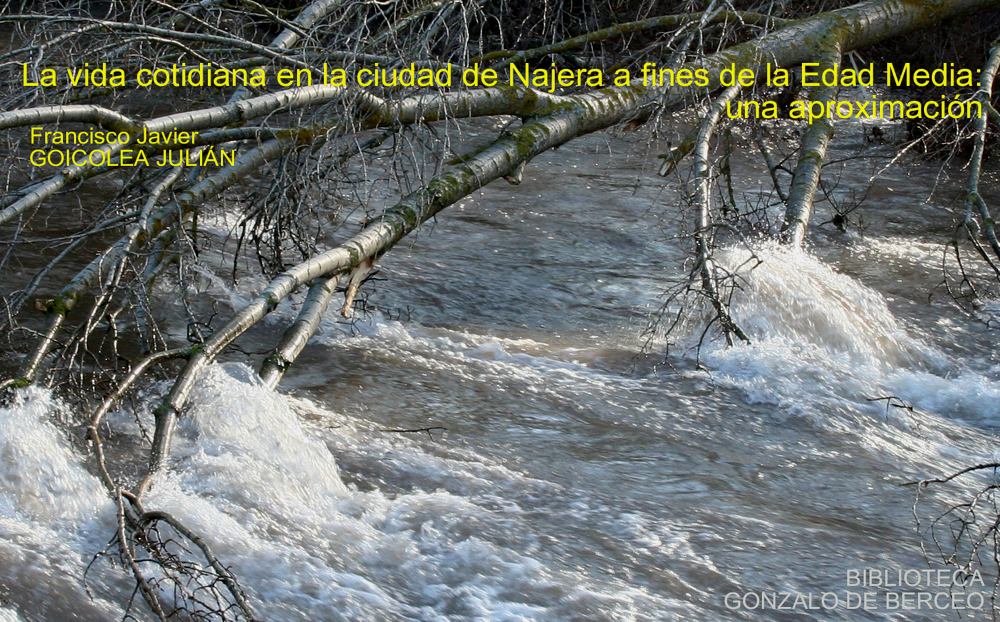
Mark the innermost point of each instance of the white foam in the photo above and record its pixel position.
(265, 491)
(824, 344)
(267, 494)
(54, 516)
(40, 474)
(796, 298)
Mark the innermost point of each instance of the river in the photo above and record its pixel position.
(567, 474)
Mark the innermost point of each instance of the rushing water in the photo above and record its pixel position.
(575, 478)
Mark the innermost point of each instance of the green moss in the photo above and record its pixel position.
(20, 383)
(163, 410)
(272, 302)
(61, 305)
(278, 361)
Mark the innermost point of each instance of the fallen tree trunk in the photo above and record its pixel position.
(806, 40)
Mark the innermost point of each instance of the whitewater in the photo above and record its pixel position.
(556, 468)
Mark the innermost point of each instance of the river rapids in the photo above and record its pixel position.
(566, 473)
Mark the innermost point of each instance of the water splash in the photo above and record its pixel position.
(795, 298)
(41, 476)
